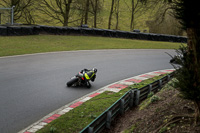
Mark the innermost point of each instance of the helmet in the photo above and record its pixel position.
(94, 69)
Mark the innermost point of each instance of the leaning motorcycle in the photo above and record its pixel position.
(79, 80)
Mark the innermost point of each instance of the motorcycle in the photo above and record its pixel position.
(80, 80)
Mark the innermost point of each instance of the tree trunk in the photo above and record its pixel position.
(197, 112)
(193, 35)
(82, 19)
(132, 16)
(86, 11)
(67, 10)
(111, 12)
(117, 14)
(194, 53)
(66, 16)
(95, 13)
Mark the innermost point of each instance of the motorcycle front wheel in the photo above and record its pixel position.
(88, 85)
(72, 81)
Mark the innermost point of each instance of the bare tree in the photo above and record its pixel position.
(111, 13)
(56, 9)
(83, 8)
(78, 8)
(87, 4)
(21, 10)
(166, 25)
(28, 16)
(133, 11)
(87, 11)
(117, 14)
(95, 8)
(135, 7)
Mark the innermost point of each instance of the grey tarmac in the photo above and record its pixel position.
(32, 86)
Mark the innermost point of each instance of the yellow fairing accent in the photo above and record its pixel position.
(86, 76)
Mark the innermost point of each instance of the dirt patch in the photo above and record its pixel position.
(169, 114)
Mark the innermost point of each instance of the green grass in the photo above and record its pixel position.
(81, 116)
(130, 130)
(19, 45)
(146, 82)
(78, 118)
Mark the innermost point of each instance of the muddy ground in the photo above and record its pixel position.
(169, 113)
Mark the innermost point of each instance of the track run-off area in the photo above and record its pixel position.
(32, 86)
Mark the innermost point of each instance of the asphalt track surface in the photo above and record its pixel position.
(32, 86)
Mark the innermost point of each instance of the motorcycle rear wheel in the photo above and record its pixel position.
(72, 81)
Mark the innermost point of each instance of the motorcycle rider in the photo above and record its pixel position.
(88, 75)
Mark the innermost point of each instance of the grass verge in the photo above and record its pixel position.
(18, 45)
(78, 118)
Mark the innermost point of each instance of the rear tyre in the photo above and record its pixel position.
(72, 81)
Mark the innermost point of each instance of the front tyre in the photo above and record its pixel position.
(88, 85)
(72, 81)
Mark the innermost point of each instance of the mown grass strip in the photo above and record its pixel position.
(18, 45)
(146, 82)
(78, 118)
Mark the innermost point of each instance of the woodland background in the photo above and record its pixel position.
(154, 16)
